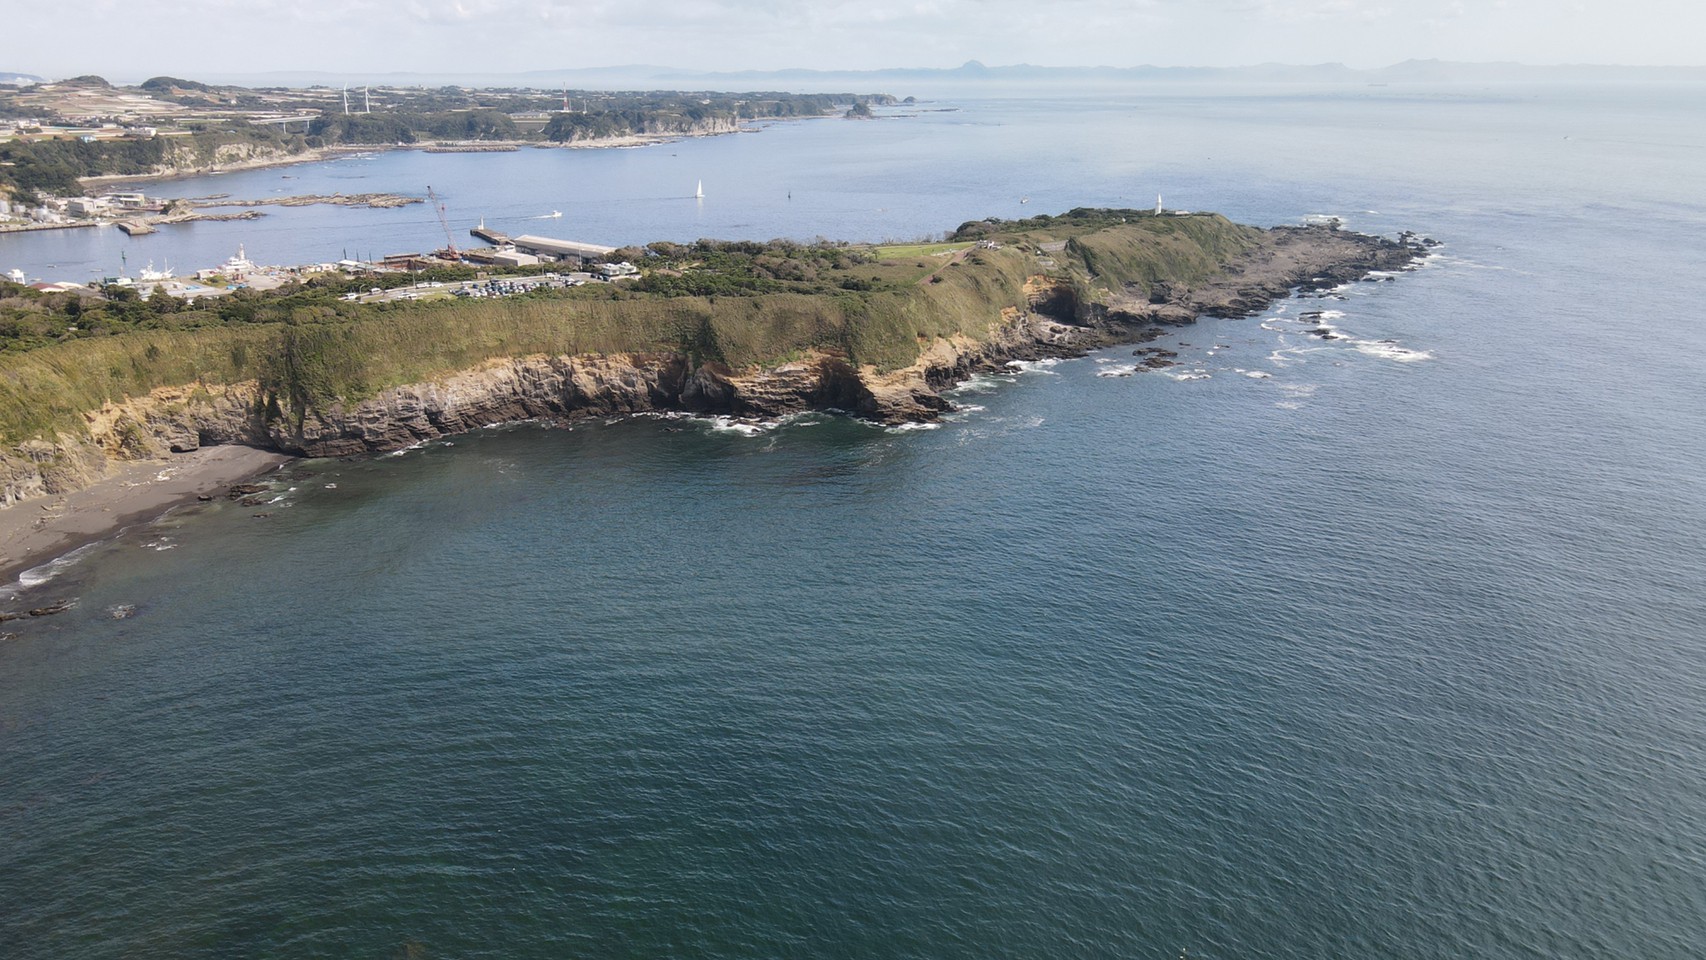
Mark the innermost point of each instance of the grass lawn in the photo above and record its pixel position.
(904, 251)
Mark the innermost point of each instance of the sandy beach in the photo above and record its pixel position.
(36, 531)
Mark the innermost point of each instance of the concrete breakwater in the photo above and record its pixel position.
(377, 201)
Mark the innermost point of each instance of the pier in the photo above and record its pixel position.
(494, 237)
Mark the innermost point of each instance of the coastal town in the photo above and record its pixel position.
(507, 267)
(136, 214)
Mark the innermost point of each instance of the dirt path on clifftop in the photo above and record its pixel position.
(956, 257)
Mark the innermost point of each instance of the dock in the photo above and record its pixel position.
(135, 228)
(494, 237)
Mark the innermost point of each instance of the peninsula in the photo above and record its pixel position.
(733, 328)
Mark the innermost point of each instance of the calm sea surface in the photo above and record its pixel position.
(1387, 646)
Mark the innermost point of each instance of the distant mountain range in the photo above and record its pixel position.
(8, 79)
(1410, 71)
(973, 73)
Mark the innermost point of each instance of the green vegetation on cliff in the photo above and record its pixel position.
(678, 114)
(1115, 248)
(448, 117)
(33, 167)
(737, 303)
(387, 128)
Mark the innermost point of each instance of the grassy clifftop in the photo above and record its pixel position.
(741, 305)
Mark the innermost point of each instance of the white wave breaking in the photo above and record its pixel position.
(978, 383)
(1389, 350)
(36, 576)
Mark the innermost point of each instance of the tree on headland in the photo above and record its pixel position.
(171, 84)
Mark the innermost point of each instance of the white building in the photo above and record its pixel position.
(546, 248)
(85, 206)
(513, 258)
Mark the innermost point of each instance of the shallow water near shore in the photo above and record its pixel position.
(1382, 645)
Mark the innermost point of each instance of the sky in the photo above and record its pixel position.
(130, 40)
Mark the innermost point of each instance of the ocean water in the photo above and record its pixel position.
(1391, 645)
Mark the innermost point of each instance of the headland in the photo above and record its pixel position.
(718, 328)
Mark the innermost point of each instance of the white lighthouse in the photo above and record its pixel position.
(1158, 204)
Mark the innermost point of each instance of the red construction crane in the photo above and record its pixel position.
(449, 252)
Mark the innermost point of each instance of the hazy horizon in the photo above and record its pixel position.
(490, 37)
(819, 79)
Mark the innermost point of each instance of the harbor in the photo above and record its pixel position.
(238, 272)
(612, 197)
(137, 214)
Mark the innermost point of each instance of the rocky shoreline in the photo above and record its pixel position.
(601, 385)
(172, 422)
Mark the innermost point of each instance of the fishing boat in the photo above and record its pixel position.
(238, 265)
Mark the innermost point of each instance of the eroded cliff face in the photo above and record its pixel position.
(568, 387)
(180, 419)
(664, 127)
(184, 157)
(168, 420)
(39, 468)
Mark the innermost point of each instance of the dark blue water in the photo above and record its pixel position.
(1392, 645)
